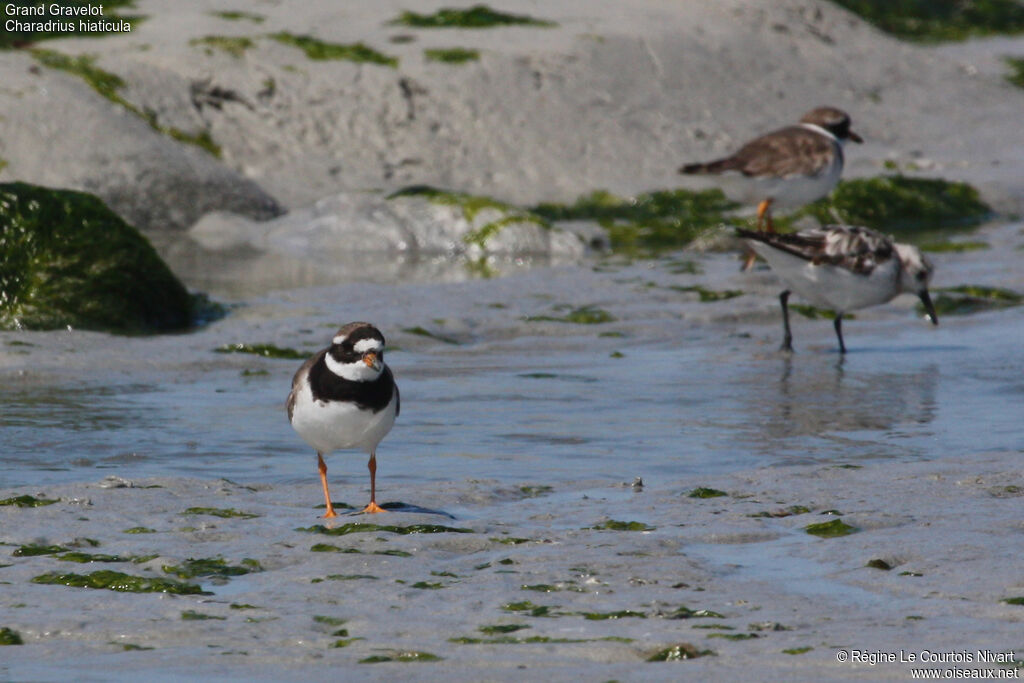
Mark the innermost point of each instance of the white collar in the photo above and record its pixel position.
(818, 129)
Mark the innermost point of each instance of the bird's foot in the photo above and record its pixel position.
(330, 513)
(373, 507)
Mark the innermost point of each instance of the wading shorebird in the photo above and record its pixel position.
(345, 397)
(842, 268)
(789, 167)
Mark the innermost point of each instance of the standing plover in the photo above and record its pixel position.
(345, 397)
(842, 268)
(790, 167)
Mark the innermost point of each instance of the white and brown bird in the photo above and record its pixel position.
(789, 167)
(842, 268)
(345, 397)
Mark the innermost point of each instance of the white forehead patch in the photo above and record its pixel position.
(364, 345)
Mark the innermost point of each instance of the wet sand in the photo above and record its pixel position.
(525, 436)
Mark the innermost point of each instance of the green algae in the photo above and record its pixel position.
(535, 491)
(475, 17)
(947, 247)
(351, 577)
(783, 512)
(620, 614)
(423, 332)
(139, 530)
(192, 615)
(363, 527)
(82, 558)
(27, 501)
(705, 492)
(717, 627)
(232, 45)
(472, 206)
(225, 513)
(1014, 601)
(402, 656)
(534, 640)
(1016, 75)
(12, 39)
(108, 85)
(540, 587)
(684, 612)
(968, 299)
(502, 628)
(330, 548)
(68, 260)
(428, 585)
(832, 529)
(9, 636)
(649, 223)
(709, 295)
(451, 55)
(237, 16)
(329, 621)
(910, 573)
(902, 205)
(878, 564)
(132, 647)
(118, 581)
(584, 315)
(211, 566)
(242, 605)
(616, 525)
(319, 50)
(797, 650)
(527, 607)
(734, 636)
(36, 549)
(679, 652)
(264, 350)
(933, 21)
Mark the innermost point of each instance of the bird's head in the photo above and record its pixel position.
(835, 121)
(356, 353)
(915, 274)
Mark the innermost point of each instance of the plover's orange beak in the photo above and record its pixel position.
(856, 138)
(370, 359)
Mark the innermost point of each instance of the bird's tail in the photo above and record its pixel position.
(716, 166)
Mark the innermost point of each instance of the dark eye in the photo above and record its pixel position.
(922, 276)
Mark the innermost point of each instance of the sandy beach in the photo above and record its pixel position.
(570, 498)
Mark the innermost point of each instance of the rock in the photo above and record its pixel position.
(69, 260)
(59, 132)
(417, 220)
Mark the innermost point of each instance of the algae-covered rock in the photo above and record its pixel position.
(902, 204)
(68, 260)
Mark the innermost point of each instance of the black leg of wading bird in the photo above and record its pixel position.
(787, 340)
(839, 332)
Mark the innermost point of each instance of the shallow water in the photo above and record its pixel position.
(542, 407)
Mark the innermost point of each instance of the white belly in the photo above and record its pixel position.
(787, 192)
(831, 287)
(330, 426)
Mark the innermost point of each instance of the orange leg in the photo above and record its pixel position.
(323, 480)
(764, 216)
(372, 466)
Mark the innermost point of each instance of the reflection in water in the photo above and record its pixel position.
(821, 398)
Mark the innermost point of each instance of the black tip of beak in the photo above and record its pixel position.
(856, 138)
(929, 307)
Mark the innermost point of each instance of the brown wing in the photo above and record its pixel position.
(793, 150)
(859, 250)
(300, 374)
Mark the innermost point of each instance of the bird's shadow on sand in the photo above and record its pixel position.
(397, 506)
